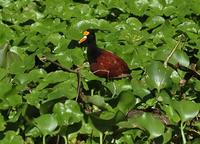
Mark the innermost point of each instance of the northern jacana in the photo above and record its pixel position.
(103, 63)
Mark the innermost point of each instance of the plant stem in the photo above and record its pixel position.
(78, 85)
(75, 71)
(101, 138)
(58, 139)
(182, 133)
(43, 139)
(65, 139)
(171, 53)
(59, 65)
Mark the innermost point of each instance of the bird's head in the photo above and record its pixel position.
(88, 37)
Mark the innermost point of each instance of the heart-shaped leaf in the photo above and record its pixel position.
(186, 109)
(11, 137)
(158, 76)
(126, 101)
(46, 123)
(98, 101)
(67, 113)
(148, 122)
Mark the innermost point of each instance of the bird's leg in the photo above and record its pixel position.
(114, 86)
(107, 78)
(108, 73)
(102, 70)
(92, 92)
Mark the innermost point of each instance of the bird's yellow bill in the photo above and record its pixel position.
(85, 33)
(83, 39)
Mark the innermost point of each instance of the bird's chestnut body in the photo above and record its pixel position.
(103, 63)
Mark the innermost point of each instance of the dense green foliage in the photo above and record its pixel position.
(160, 41)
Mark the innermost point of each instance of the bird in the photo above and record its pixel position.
(103, 63)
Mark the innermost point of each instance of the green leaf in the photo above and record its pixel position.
(101, 11)
(52, 78)
(46, 124)
(140, 88)
(35, 75)
(17, 65)
(196, 141)
(5, 88)
(118, 86)
(117, 4)
(67, 113)
(71, 88)
(158, 76)
(14, 115)
(186, 109)
(2, 123)
(34, 132)
(88, 129)
(92, 23)
(197, 125)
(100, 124)
(6, 33)
(180, 57)
(197, 85)
(5, 3)
(169, 10)
(125, 139)
(129, 136)
(171, 113)
(148, 122)
(154, 21)
(139, 31)
(167, 135)
(138, 7)
(164, 97)
(134, 23)
(14, 99)
(35, 97)
(3, 53)
(3, 73)
(71, 57)
(126, 102)
(194, 6)
(189, 26)
(12, 137)
(98, 101)
(67, 88)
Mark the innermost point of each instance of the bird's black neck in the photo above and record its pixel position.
(93, 52)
